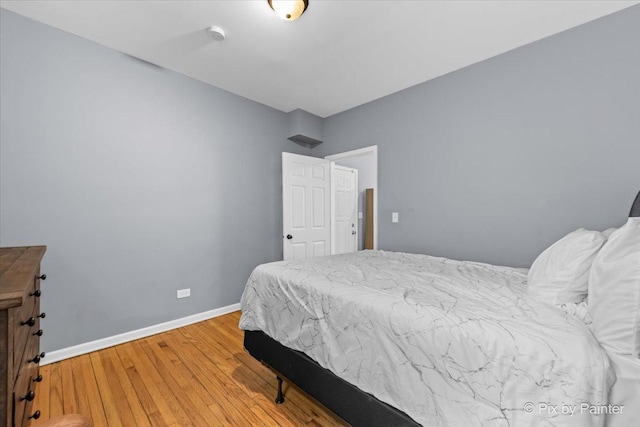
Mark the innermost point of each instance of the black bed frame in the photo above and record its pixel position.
(349, 402)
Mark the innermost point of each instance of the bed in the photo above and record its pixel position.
(435, 342)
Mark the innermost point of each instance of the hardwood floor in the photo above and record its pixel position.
(198, 375)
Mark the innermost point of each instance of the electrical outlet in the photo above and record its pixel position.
(395, 217)
(184, 293)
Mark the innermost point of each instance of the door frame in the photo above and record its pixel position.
(360, 152)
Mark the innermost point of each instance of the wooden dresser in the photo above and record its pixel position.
(19, 333)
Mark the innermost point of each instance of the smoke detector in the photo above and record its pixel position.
(216, 33)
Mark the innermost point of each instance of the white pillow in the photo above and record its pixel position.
(614, 291)
(560, 274)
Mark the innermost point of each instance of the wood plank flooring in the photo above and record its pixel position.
(198, 375)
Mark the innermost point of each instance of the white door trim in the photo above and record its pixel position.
(332, 214)
(372, 150)
(354, 153)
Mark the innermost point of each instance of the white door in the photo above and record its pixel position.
(306, 190)
(344, 209)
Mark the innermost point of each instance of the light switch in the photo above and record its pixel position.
(394, 217)
(359, 215)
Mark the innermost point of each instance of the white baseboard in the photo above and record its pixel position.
(80, 349)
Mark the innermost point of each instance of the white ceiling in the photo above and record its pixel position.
(338, 55)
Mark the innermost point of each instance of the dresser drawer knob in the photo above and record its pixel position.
(37, 357)
(37, 379)
(30, 322)
(42, 277)
(36, 294)
(39, 333)
(42, 315)
(35, 415)
(29, 396)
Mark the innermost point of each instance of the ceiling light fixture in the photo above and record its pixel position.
(289, 10)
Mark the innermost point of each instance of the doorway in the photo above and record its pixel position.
(365, 160)
(344, 209)
(309, 203)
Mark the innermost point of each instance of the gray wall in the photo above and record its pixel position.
(496, 161)
(142, 181)
(139, 180)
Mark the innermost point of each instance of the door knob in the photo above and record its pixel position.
(289, 236)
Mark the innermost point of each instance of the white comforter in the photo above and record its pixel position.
(450, 343)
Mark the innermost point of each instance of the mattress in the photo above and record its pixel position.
(625, 393)
(450, 343)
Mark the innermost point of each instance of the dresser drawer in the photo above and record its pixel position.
(19, 343)
(23, 395)
(25, 388)
(30, 359)
(19, 406)
(28, 311)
